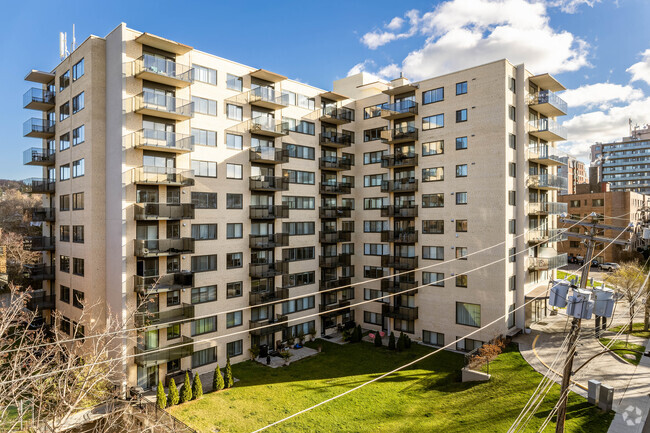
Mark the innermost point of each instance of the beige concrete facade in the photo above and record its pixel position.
(308, 223)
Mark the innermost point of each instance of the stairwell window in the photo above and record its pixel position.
(78, 135)
(64, 172)
(78, 70)
(78, 168)
(78, 103)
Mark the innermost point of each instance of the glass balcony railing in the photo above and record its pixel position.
(163, 211)
(335, 261)
(545, 235)
(268, 183)
(398, 312)
(39, 243)
(399, 160)
(400, 134)
(335, 188)
(270, 155)
(399, 284)
(268, 241)
(548, 103)
(546, 155)
(160, 318)
(150, 174)
(403, 236)
(163, 247)
(337, 115)
(39, 272)
(153, 356)
(398, 262)
(406, 211)
(268, 211)
(39, 185)
(39, 128)
(546, 181)
(322, 308)
(154, 68)
(40, 214)
(270, 296)
(268, 326)
(267, 270)
(41, 302)
(266, 97)
(335, 140)
(333, 237)
(547, 208)
(151, 282)
(335, 283)
(163, 105)
(409, 184)
(334, 212)
(399, 109)
(547, 129)
(334, 163)
(547, 263)
(266, 125)
(163, 140)
(39, 156)
(38, 99)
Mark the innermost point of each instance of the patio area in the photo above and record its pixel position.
(296, 355)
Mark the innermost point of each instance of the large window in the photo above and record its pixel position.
(300, 177)
(433, 253)
(204, 75)
(64, 233)
(64, 111)
(234, 230)
(298, 254)
(461, 143)
(64, 141)
(234, 289)
(375, 226)
(234, 112)
(433, 278)
(433, 122)
(376, 249)
(203, 232)
(374, 179)
(373, 157)
(234, 201)
(204, 326)
(433, 338)
(204, 294)
(233, 319)
(298, 151)
(204, 200)
(234, 260)
(234, 82)
(78, 266)
(234, 141)
(204, 357)
(204, 137)
(235, 348)
(64, 172)
(78, 168)
(372, 111)
(296, 305)
(299, 202)
(204, 168)
(433, 95)
(234, 171)
(372, 134)
(64, 80)
(468, 314)
(375, 202)
(433, 200)
(299, 279)
(204, 263)
(78, 103)
(204, 106)
(299, 228)
(433, 227)
(461, 88)
(78, 298)
(78, 70)
(433, 148)
(433, 174)
(78, 201)
(78, 135)
(78, 234)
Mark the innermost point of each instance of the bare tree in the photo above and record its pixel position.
(628, 280)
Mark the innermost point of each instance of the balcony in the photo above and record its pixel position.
(162, 176)
(333, 237)
(266, 297)
(262, 212)
(160, 319)
(335, 188)
(548, 104)
(399, 135)
(397, 262)
(39, 156)
(337, 115)
(399, 211)
(39, 243)
(162, 141)
(268, 183)
(409, 184)
(38, 99)
(267, 126)
(268, 326)
(267, 270)
(334, 163)
(335, 140)
(268, 241)
(401, 237)
(163, 283)
(266, 97)
(268, 155)
(547, 208)
(38, 128)
(334, 212)
(339, 283)
(39, 272)
(163, 211)
(162, 247)
(545, 155)
(40, 186)
(397, 312)
(335, 261)
(397, 284)
(163, 71)
(323, 308)
(42, 214)
(41, 302)
(155, 356)
(547, 263)
(536, 236)
(399, 160)
(399, 110)
(546, 181)
(159, 105)
(547, 130)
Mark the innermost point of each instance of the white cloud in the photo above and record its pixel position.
(377, 38)
(601, 94)
(395, 24)
(641, 71)
(571, 6)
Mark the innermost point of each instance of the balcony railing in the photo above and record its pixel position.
(166, 141)
(546, 181)
(398, 110)
(159, 319)
(547, 263)
(547, 208)
(398, 262)
(40, 186)
(329, 307)
(163, 283)
(400, 135)
(161, 105)
(397, 312)
(152, 357)
(268, 155)
(163, 211)
(335, 261)
(402, 185)
(399, 211)
(548, 103)
(333, 163)
(265, 297)
(267, 270)
(397, 284)
(399, 160)
(38, 99)
(547, 129)
(335, 188)
(39, 243)
(162, 247)
(545, 235)
(39, 272)
(39, 214)
(272, 325)
(337, 115)
(41, 302)
(266, 97)
(262, 212)
(268, 183)
(162, 176)
(544, 154)
(333, 284)
(268, 241)
(335, 140)
(268, 126)
(403, 236)
(39, 156)
(160, 70)
(333, 237)
(334, 212)
(38, 128)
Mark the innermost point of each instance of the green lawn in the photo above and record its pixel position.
(563, 274)
(636, 330)
(427, 397)
(620, 344)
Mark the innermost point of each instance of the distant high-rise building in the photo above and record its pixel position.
(575, 173)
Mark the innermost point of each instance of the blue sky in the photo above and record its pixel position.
(600, 50)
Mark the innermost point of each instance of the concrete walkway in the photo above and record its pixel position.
(296, 355)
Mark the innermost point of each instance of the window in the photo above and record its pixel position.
(461, 115)
(404, 325)
(78, 135)
(461, 88)
(64, 264)
(512, 283)
(461, 143)
(204, 75)
(372, 318)
(369, 294)
(78, 168)
(433, 148)
(433, 227)
(234, 230)
(65, 325)
(461, 198)
(204, 326)
(305, 127)
(204, 200)
(202, 232)
(64, 172)
(204, 106)
(433, 122)
(78, 70)
(512, 255)
(468, 314)
(64, 141)
(288, 98)
(299, 279)
(373, 157)
(513, 85)
(434, 174)
(512, 169)
(433, 200)
(376, 249)
(434, 95)
(64, 111)
(374, 179)
(64, 294)
(234, 260)
(234, 112)
(298, 151)
(461, 280)
(78, 103)
(78, 234)
(433, 338)
(375, 202)
(512, 141)
(204, 357)
(372, 111)
(78, 266)
(301, 328)
(234, 141)
(234, 201)
(598, 202)
(433, 278)
(433, 253)
(234, 348)
(299, 177)
(173, 332)
(64, 233)
(204, 294)
(375, 226)
(234, 171)
(461, 226)
(234, 290)
(204, 168)
(64, 80)
(296, 305)
(461, 170)
(233, 319)
(372, 134)
(461, 253)
(512, 226)
(298, 254)
(64, 202)
(574, 244)
(512, 198)
(204, 263)
(204, 137)
(299, 202)
(512, 113)
(299, 228)
(574, 203)
(234, 82)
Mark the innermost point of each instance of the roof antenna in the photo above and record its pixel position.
(74, 40)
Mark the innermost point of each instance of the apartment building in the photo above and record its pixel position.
(242, 205)
(575, 173)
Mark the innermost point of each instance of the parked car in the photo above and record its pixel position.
(595, 264)
(611, 267)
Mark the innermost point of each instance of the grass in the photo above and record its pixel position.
(637, 330)
(562, 275)
(620, 344)
(426, 397)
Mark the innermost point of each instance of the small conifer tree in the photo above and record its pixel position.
(400, 342)
(161, 397)
(229, 380)
(197, 387)
(217, 382)
(391, 341)
(377, 339)
(173, 393)
(186, 391)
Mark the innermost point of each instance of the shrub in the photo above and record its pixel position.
(217, 381)
(229, 380)
(357, 334)
(197, 387)
(186, 391)
(377, 339)
(400, 342)
(173, 393)
(407, 342)
(391, 341)
(161, 397)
